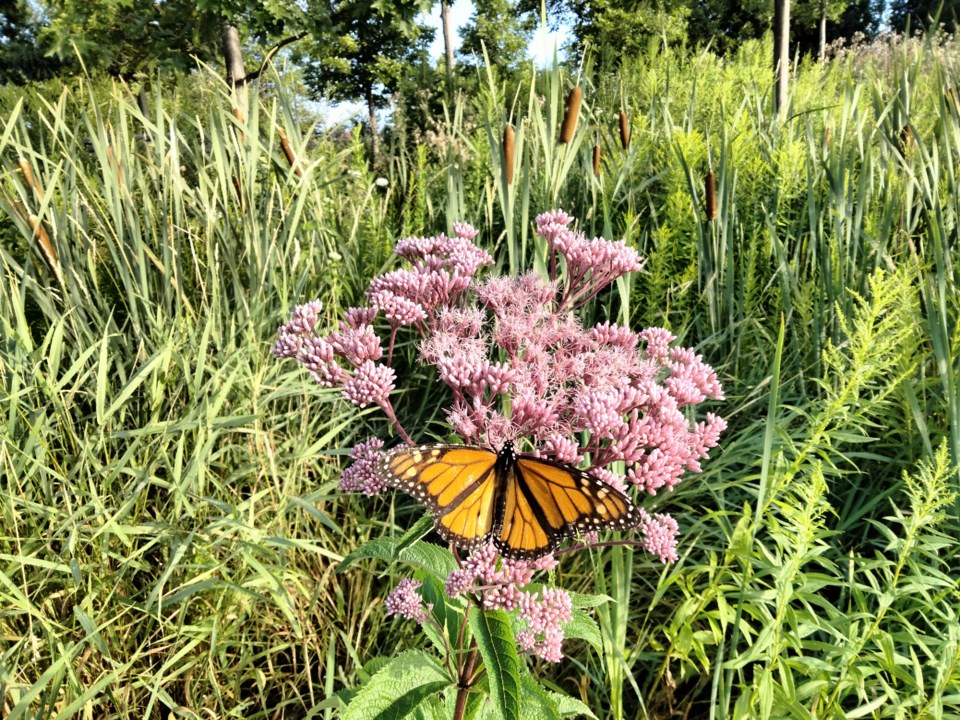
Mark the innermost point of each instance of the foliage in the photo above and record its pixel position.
(497, 35)
(129, 38)
(918, 14)
(23, 57)
(364, 56)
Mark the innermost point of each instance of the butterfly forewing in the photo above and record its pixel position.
(456, 482)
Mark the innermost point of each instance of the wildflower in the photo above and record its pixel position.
(371, 384)
(361, 476)
(659, 535)
(406, 602)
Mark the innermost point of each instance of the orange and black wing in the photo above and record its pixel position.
(456, 482)
(545, 502)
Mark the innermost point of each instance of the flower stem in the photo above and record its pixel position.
(464, 683)
(388, 409)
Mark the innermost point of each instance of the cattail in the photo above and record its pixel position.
(115, 161)
(710, 193)
(906, 139)
(596, 160)
(826, 136)
(43, 239)
(30, 177)
(570, 113)
(240, 120)
(288, 151)
(624, 130)
(508, 138)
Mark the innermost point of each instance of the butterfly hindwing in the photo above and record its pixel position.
(526, 505)
(546, 501)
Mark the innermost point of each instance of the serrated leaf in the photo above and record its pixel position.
(416, 531)
(537, 704)
(378, 548)
(397, 689)
(498, 648)
(570, 707)
(428, 556)
(584, 627)
(579, 600)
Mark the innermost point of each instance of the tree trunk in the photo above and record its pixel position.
(447, 45)
(823, 31)
(781, 55)
(233, 59)
(142, 102)
(374, 136)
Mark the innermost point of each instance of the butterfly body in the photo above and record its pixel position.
(525, 505)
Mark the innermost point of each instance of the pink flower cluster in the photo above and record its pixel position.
(500, 588)
(361, 476)
(406, 602)
(442, 270)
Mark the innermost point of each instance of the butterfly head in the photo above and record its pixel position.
(507, 452)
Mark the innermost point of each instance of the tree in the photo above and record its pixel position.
(918, 14)
(860, 18)
(626, 27)
(22, 54)
(819, 12)
(363, 55)
(127, 38)
(726, 24)
(781, 55)
(498, 27)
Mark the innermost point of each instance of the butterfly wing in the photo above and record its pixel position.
(456, 482)
(545, 502)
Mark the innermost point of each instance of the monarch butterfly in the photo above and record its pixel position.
(525, 505)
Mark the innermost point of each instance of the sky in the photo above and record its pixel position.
(540, 49)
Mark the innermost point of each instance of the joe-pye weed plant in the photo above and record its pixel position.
(523, 370)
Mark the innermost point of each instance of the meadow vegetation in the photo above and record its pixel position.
(170, 528)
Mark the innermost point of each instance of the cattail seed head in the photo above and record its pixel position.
(570, 114)
(508, 144)
(710, 195)
(624, 130)
(826, 136)
(596, 160)
(906, 139)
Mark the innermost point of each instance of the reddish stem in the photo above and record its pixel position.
(464, 683)
(388, 409)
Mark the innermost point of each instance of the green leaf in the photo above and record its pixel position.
(580, 600)
(428, 556)
(396, 690)
(379, 548)
(584, 627)
(498, 648)
(537, 704)
(569, 706)
(417, 531)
